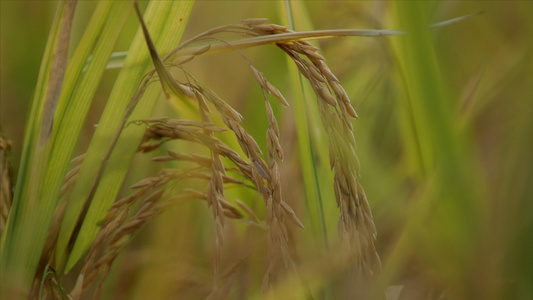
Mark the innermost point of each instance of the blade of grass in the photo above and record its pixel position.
(78, 90)
(170, 86)
(443, 145)
(310, 138)
(57, 72)
(518, 185)
(30, 215)
(116, 60)
(74, 112)
(80, 55)
(168, 19)
(448, 212)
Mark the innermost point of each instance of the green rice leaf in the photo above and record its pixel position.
(449, 210)
(171, 88)
(312, 139)
(116, 61)
(30, 215)
(167, 19)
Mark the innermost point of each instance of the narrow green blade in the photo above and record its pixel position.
(164, 18)
(30, 215)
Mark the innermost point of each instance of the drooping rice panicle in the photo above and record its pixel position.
(356, 227)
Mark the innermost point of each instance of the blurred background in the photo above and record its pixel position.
(444, 135)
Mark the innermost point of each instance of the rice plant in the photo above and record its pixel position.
(216, 158)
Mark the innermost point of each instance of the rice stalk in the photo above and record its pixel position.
(6, 192)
